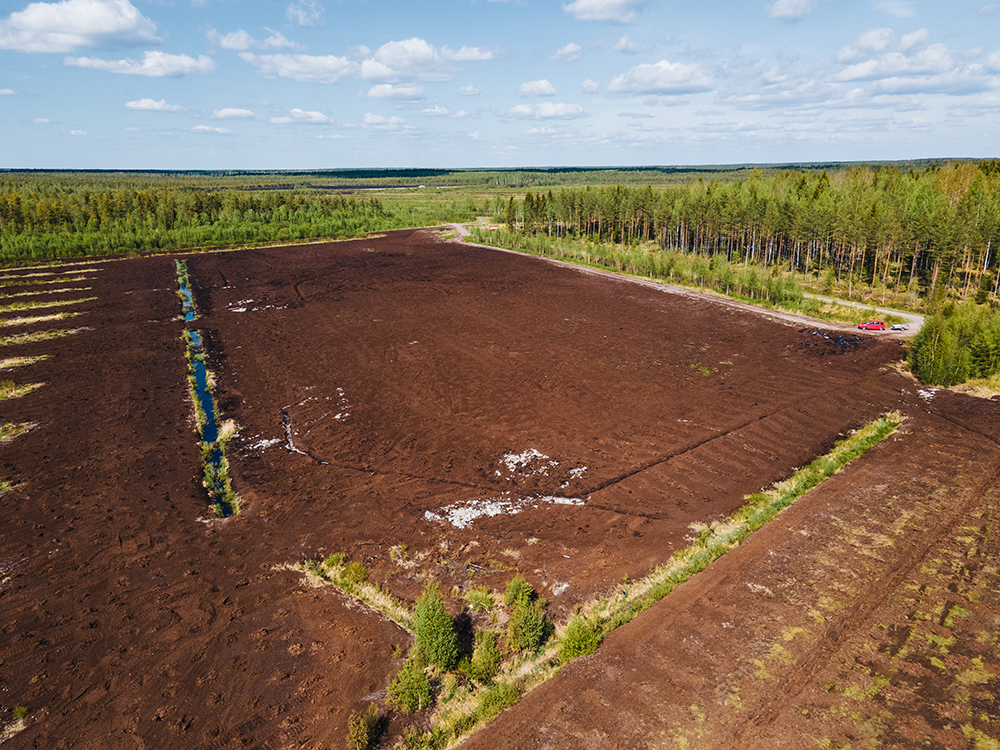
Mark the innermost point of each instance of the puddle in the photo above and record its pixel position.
(184, 291)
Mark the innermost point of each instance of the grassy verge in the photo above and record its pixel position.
(37, 319)
(35, 336)
(10, 363)
(471, 694)
(9, 430)
(18, 723)
(19, 306)
(16, 280)
(9, 389)
(762, 287)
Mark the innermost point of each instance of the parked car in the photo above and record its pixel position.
(872, 325)
(901, 326)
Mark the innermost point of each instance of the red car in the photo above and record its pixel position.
(872, 325)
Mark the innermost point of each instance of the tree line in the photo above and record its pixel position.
(879, 227)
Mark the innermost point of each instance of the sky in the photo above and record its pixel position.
(326, 84)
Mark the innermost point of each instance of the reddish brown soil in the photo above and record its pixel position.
(406, 369)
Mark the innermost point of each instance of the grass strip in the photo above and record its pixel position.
(10, 363)
(36, 319)
(18, 306)
(31, 338)
(65, 290)
(11, 280)
(9, 430)
(9, 389)
(347, 577)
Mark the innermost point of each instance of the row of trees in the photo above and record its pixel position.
(39, 224)
(877, 226)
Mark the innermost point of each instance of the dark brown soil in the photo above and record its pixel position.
(405, 370)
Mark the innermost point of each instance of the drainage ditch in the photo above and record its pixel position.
(214, 435)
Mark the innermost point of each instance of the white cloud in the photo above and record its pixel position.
(873, 40)
(590, 86)
(154, 65)
(438, 111)
(378, 122)
(934, 59)
(545, 111)
(663, 78)
(912, 40)
(41, 121)
(993, 62)
(241, 40)
(929, 69)
(307, 68)
(791, 10)
(151, 105)
(302, 116)
(233, 113)
(415, 60)
(897, 8)
(989, 10)
(76, 24)
(78, 132)
(615, 11)
(627, 46)
(7, 92)
(209, 129)
(466, 54)
(398, 91)
(468, 91)
(307, 13)
(568, 53)
(537, 88)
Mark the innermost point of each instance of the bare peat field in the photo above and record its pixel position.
(452, 413)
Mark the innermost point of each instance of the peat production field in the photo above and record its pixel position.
(445, 412)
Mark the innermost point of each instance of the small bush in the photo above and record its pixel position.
(335, 560)
(20, 712)
(363, 729)
(496, 699)
(518, 588)
(354, 572)
(434, 629)
(485, 658)
(527, 627)
(410, 690)
(579, 639)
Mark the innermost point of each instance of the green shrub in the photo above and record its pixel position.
(410, 690)
(496, 699)
(485, 658)
(354, 572)
(363, 729)
(527, 627)
(335, 560)
(434, 629)
(518, 588)
(579, 639)
(479, 599)
(20, 712)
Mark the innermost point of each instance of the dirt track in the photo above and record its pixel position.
(406, 370)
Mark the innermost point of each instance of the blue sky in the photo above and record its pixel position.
(309, 84)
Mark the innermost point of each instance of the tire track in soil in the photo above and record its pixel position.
(843, 628)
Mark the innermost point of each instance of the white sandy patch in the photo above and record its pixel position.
(462, 515)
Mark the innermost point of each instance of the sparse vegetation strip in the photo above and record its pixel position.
(36, 336)
(67, 290)
(18, 306)
(12, 281)
(17, 723)
(10, 430)
(10, 363)
(9, 389)
(471, 683)
(4, 322)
